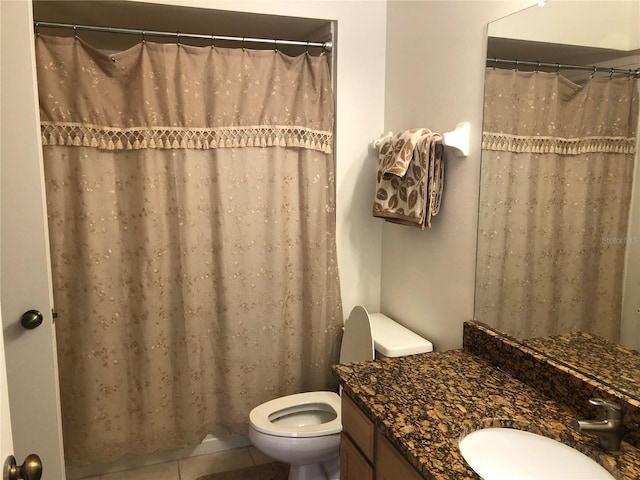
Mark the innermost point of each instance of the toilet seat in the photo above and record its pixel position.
(261, 417)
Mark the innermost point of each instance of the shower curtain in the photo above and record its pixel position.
(557, 168)
(190, 195)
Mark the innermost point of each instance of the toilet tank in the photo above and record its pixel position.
(393, 340)
(367, 333)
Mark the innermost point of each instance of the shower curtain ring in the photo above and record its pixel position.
(593, 73)
(538, 69)
(37, 24)
(517, 63)
(178, 37)
(75, 31)
(611, 74)
(307, 49)
(275, 44)
(143, 39)
(213, 40)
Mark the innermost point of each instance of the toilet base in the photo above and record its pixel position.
(329, 470)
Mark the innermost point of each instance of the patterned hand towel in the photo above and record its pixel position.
(414, 197)
(396, 152)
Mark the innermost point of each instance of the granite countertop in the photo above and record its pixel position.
(608, 362)
(424, 404)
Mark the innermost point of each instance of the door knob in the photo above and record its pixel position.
(31, 469)
(31, 319)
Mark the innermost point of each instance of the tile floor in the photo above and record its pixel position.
(193, 467)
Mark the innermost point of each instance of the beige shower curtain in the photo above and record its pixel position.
(557, 168)
(191, 208)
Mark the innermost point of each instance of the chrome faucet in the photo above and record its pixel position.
(609, 429)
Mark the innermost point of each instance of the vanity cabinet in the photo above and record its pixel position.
(365, 453)
(353, 464)
(390, 464)
(356, 443)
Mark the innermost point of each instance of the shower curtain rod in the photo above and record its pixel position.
(178, 35)
(562, 66)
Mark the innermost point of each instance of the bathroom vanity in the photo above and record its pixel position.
(365, 453)
(404, 417)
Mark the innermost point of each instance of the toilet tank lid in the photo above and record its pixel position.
(393, 340)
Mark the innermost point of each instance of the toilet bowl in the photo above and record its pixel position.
(303, 429)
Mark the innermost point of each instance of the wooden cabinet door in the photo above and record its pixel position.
(353, 465)
(390, 464)
(358, 426)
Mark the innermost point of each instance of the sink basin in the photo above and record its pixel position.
(507, 454)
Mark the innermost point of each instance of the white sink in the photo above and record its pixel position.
(508, 454)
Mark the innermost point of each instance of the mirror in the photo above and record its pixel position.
(592, 268)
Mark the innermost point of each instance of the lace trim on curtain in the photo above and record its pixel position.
(565, 146)
(136, 138)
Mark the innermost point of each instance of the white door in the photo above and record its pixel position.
(30, 355)
(6, 440)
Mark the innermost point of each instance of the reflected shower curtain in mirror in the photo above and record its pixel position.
(190, 195)
(557, 168)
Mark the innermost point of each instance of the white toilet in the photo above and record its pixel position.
(303, 430)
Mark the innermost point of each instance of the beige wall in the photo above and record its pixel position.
(615, 21)
(434, 79)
